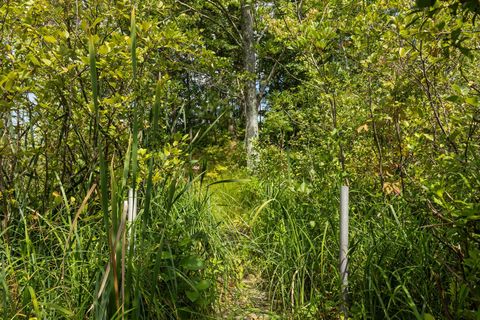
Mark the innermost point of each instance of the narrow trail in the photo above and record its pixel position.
(247, 301)
(243, 298)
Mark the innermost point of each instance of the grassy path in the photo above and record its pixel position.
(243, 297)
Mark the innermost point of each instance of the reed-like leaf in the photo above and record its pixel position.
(198, 137)
(153, 143)
(133, 45)
(135, 111)
(94, 80)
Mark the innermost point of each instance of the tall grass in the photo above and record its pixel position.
(399, 269)
(297, 252)
(191, 249)
(172, 272)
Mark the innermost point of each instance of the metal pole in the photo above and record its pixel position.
(344, 247)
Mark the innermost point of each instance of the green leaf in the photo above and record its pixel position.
(428, 136)
(67, 313)
(133, 47)
(466, 52)
(50, 39)
(35, 303)
(460, 89)
(97, 21)
(33, 59)
(93, 73)
(193, 263)
(440, 26)
(454, 98)
(192, 295)
(203, 284)
(47, 62)
(104, 49)
(472, 101)
(166, 255)
(428, 316)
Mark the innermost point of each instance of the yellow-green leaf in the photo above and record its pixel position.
(47, 61)
(104, 49)
(472, 101)
(50, 39)
(428, 316)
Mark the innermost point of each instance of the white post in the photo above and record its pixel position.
(132, 212)
(134, 215)
(130, 205)
(344, 248)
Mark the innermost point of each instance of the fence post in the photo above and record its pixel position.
(344, 248)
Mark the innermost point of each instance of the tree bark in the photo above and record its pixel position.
(250, 91)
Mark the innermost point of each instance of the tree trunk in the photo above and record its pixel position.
(250, 91)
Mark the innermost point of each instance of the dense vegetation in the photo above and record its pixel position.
(236, 122)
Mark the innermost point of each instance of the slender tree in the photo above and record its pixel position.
(249, 88)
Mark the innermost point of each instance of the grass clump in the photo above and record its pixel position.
(400, 268)
(169, 271)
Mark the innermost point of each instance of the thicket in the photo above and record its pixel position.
(100, 97)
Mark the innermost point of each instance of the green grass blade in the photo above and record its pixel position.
(94, 80)
(153, 143)
(156, 111)
(126, 164)
(227, 181)
(133, 45)
(148, 192)
(259, 209)
(36, 306)
(199, 137)
(103, 165)
(104, 192)
(115, 197)
(133, 51)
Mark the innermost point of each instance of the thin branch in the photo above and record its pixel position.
(264, 85)
(299, 5)
(211, 20)
(430, 98)
(224, 10)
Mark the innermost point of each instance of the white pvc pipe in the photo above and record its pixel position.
(130, 205)
(132, 213)
(344, 247)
